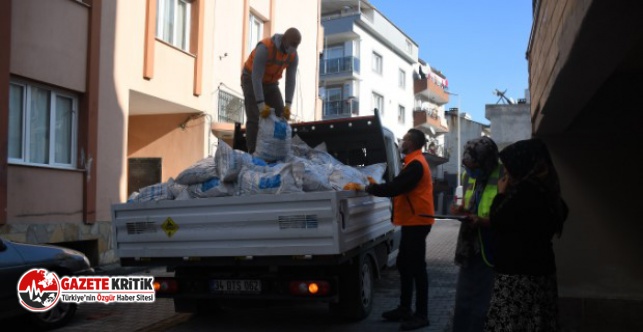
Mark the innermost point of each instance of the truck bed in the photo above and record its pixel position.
(298, 224)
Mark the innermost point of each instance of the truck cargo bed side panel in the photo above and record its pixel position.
(257, 225)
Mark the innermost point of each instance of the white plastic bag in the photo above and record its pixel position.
(275, 179)
(211, 188)
(203, 170)
(313, 177)
(299, 147)
(155, 192)
(343, 175)
(319, 155)
(374, 171)
(229, 161)
(274, 138)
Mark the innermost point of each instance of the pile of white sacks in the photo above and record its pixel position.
(281, 164)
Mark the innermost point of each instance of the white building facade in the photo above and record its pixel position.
(367, 64)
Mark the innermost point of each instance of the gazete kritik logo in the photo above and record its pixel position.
(40, 290)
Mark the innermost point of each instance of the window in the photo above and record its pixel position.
(377, 63)
(378, 103)
(173, 22)
(334, 52)
(42, 126)
(255, 31)
(400, 114)
(333, 101)
(402, 79)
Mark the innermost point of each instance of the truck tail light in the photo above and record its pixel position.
(165, 285)
(309, 287)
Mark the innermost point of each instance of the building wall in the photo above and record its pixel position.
(43, 195)
(50, 42)
(305, 16)
(470, 130)
(125, 91)
(231, 49)
(162, 136)
(153, 100)
(509, 123)
(385, 84)
(584, 85)
(57, 29)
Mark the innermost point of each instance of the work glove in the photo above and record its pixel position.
(264, 110)
(353, 186)
(286, 113)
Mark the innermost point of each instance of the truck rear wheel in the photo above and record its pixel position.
(356, 289)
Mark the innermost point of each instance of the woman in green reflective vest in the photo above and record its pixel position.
(474, 252)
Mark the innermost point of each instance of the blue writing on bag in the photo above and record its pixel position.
(269, 182)
(258, 161)
(280, 130)
(207, 185)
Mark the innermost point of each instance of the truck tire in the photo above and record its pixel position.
(356, 289)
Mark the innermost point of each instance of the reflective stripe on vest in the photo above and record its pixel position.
(490, 191)
(484, 208)
(408, 206)
(276, 63)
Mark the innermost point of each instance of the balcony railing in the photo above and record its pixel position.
(231, 108)
(431, 90)
(339, 65)
(429, 119)
(340, 108)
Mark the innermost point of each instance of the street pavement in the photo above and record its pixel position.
(160, 315)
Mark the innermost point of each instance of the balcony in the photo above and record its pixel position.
(340, 109)
(347, 64)
(231, 109)
(431, 90)
(436, 155)
(429, 121)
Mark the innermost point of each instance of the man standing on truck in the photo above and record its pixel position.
(260, 80)
(412, 192)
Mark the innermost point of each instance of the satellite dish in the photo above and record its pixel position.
(502, 96)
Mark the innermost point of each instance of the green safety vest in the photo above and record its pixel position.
(490, 191)
(484, 206)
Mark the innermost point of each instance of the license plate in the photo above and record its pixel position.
(234, 286)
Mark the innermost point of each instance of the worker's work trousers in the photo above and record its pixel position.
(411, 264)
(272, 98)
(473, 295)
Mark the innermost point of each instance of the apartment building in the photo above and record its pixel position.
(431, 94)
(106, 97)
(367, 64)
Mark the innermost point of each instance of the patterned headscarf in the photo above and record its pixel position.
(482, 150)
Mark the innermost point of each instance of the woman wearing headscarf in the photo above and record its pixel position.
(475, 240)
(525, 215)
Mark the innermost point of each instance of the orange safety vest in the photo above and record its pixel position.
(276, 63)
(408, 206)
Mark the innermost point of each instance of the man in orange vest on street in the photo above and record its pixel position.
(260, 80)
(412, 192)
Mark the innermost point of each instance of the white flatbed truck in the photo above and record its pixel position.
(310, 246)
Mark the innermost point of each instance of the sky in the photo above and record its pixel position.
(479, 45)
